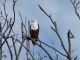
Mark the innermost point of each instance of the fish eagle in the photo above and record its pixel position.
(34, 31)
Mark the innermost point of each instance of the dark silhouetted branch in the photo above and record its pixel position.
(55, 30)
(75, 5)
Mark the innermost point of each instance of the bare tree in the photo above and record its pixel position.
(7, 29)
(8, 23)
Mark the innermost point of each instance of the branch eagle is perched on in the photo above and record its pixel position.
(34, 31)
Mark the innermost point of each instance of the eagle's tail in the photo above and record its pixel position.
(34, 41)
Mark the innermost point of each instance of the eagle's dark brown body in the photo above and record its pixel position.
(34, 35)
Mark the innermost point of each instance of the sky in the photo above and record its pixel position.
(62, 12)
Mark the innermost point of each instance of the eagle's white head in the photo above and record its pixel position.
(34, 25)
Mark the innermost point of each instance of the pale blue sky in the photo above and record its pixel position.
(62, 12)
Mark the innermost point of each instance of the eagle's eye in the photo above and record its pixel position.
(33, 21)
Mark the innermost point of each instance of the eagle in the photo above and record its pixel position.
(34, 31)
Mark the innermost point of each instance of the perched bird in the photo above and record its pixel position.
(34, 31)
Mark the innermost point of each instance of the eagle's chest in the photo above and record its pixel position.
(34, 34)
